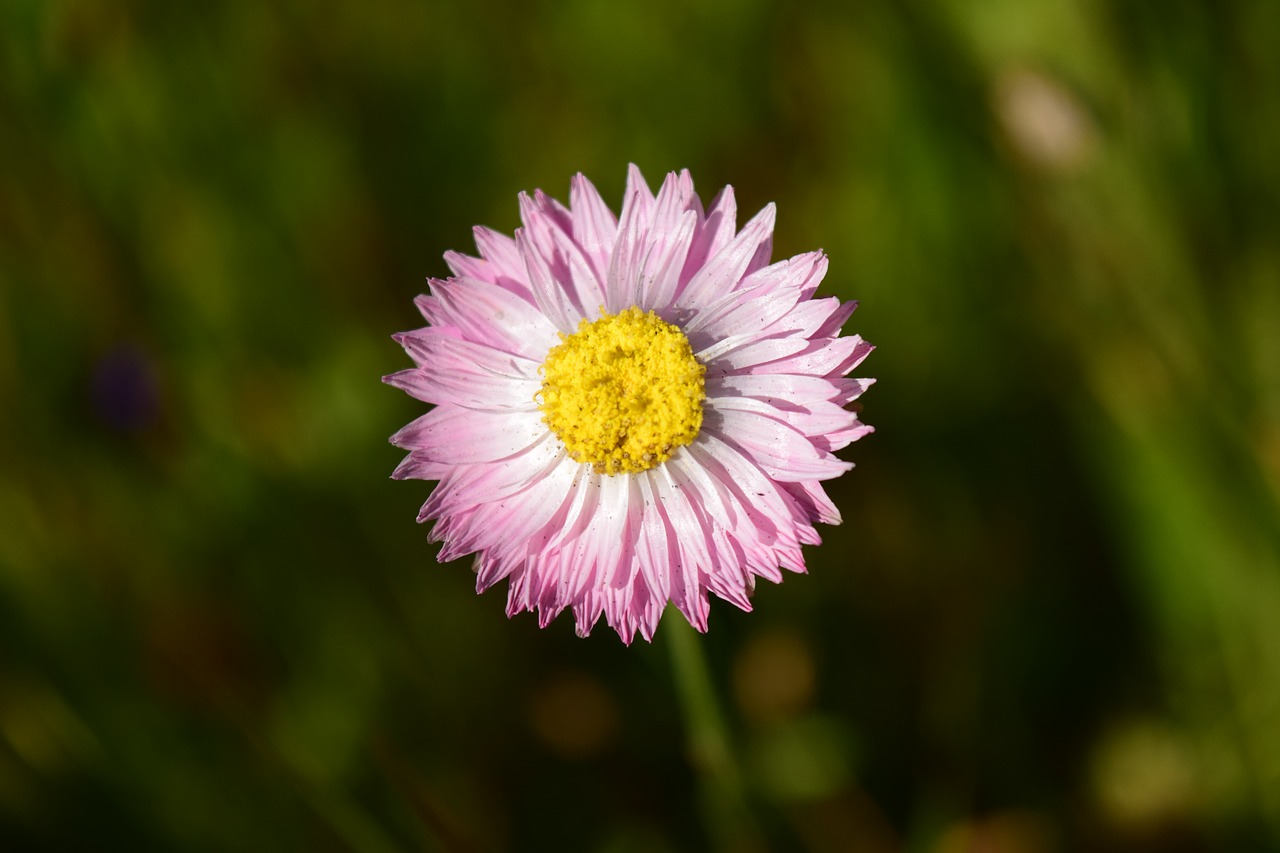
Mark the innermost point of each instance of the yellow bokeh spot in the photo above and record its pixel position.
(623, 392)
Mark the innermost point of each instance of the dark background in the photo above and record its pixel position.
(1051, 620)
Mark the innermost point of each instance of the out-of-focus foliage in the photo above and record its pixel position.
(1049, 622)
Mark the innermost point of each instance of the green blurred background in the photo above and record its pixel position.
(1050, 622)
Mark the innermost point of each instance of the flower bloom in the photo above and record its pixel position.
(629, 411)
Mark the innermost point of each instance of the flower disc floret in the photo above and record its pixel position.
(623, 392)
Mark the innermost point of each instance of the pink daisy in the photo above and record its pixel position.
(629, 412)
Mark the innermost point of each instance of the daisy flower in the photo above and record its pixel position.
(629, 411)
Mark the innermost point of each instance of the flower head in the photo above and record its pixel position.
(631, 411)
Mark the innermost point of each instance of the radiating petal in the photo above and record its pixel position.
(784, 453)
(724, 270)
(485, 313)
(714, 232)
(466, 436)
(558, 304)
(595, 228)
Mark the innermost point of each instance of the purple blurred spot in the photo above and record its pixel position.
(124, 390)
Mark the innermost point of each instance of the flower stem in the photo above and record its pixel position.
(721, 790)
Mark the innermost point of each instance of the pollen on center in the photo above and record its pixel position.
(623, 392)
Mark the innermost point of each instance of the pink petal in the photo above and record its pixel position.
(471, 389)
(652, 548)
(594, 226)
(744, 353)
(549, 234)
(775, 387)
(813, 419)
(466, 436)
(660, 271)
(473, 485)
(553, 299)
(781, 452)
(725, 269)
(829, 357)
(488, 314)
(622, 285)
(713, 234)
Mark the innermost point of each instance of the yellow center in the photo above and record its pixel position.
(624, 392)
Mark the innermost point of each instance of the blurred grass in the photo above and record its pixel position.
(1048, 622)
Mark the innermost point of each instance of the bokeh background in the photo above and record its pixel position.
(1050, 622)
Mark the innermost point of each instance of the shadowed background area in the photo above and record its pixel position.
(1048, 623)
